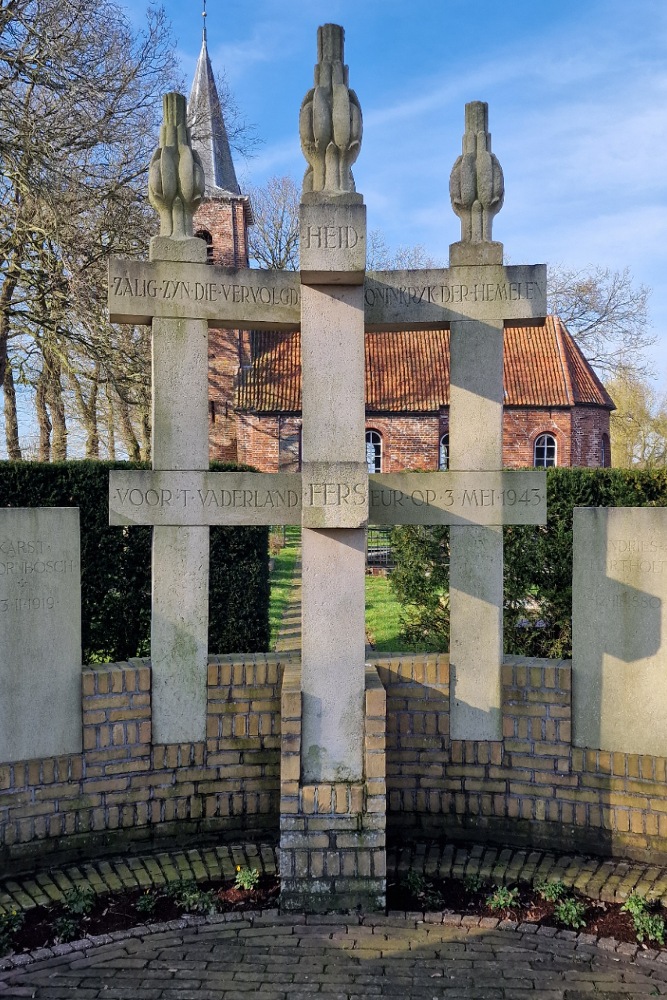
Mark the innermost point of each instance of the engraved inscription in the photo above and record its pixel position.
(444, 294)
(621, 599)
(329, 237)
(28, 558)
(334, 494)
(636, 555)
(242, 499)
(461, 498)
(203, 291)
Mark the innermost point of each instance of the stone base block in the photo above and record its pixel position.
(318, 896)
(332, 835)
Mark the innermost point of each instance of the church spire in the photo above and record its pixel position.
(209, 135)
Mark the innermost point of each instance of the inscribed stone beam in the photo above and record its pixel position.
(237, 498)
(271, 300)
(410, 300)
(244, 298)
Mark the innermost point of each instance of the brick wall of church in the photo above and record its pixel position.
(413, 442)
(258, 440)
(521, 427)
(588, 427)
(407, 442)
(223, 363)
(225, 220)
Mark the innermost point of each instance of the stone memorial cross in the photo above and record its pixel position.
(332, 301)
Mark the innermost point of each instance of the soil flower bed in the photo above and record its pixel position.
(547, 904)
(83, 913)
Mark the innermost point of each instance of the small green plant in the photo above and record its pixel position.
(650, 926)
(635, 905)
(147, 902)
(570, 913)
(551, 891)
(423, 890)
(10, 923)
(189, 897)
(246, 878)
(647, 925)
(65, 927)
(414, 882)
(473, 883)
(502, 898)
(79, 901)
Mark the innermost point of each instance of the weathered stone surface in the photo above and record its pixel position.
(476, 638)
(330, 123)
(619, 624)
(335, 495)
(175, 177)
(40, 633)
(179, 620)
(463, 498)
(333, 644)
(476, 554)
(179, 634)
(409, 300)
(326, 495)
(203, 498)
(180, 394)
(476, 184)
(333, 654)
(332, 249)
(245, 298)
(256, 299)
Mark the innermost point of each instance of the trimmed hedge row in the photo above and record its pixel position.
(116, 563)
(538, 562)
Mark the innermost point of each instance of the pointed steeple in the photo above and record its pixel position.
(209, 135)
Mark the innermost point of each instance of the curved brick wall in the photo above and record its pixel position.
(533, 788)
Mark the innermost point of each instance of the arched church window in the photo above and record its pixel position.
(443, 454)
(203, 234)
(605, 452)
(374, 451)
(545, 451)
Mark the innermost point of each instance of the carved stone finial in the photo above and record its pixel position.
(476, 184)
(175, 175)
(330, 123)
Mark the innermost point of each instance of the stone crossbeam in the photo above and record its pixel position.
(240, 498)
(271, 300)
(413, 300)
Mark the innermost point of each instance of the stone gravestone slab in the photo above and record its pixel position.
(40, 633)
(619, 629)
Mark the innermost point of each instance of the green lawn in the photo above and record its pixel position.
(383, 611)
(281, 578)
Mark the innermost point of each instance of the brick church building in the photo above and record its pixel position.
(556, 410)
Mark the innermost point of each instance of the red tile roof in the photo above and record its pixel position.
(408, 371)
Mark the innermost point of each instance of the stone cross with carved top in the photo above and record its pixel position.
(332, 301)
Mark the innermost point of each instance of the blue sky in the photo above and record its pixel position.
(577, 95)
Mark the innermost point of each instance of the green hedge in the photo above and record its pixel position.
(538, 562)
(116, 563)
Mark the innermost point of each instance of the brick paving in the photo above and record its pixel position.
(341, 958)
(291, 957)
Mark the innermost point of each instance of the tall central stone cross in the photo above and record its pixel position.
(331, 301)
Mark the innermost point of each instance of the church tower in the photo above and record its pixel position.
(221, 220)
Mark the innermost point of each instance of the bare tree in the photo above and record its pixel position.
(274, 238)
(79, 109)
(607, 314)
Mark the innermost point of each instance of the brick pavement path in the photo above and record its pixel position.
(340, 958)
